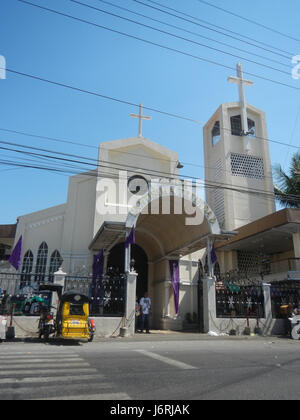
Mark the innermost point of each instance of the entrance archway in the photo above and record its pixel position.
(116, 260)
(171, 236)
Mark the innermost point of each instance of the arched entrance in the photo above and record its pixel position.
(116, 260)
(171, 236)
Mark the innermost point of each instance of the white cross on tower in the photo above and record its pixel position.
(239, 80)
(141, 117)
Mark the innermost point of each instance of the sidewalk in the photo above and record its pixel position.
(163, 335)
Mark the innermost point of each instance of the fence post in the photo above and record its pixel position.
(129, 327)
(268, 307)
(209, 302)
(60, 278)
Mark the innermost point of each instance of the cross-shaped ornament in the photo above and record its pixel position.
(140, 117)
(241, 82)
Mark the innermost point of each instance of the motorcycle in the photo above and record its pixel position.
(46, 323)
(92, 330)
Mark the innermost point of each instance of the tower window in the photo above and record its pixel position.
(216, 133)
(236, 126)
(252, 128)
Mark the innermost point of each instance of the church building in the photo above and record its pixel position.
(136, 184)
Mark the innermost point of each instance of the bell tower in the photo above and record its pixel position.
(238, 172)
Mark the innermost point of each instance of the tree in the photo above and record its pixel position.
(287, 190)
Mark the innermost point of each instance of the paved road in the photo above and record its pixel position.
(173, 367)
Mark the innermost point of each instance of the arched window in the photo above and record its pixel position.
(55, 263)
(41, 262)
(26, 269)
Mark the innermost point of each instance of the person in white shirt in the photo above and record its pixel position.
(3, 326)
(145, 305)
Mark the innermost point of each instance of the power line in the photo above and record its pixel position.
(178, 116)
(142, 40)
(112, 176)
(289, 54)
(180, 37)
(130, 168)
(192, 32)
(249, 20)
(103, 148)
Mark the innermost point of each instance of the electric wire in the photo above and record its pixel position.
(287, 54)
(142, 40)
(249, 20)
(182, 38)
(113, 176)
(76, 18)
(192, 33)
(168, 175)
(224, 171)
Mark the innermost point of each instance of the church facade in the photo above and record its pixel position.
(136, 184)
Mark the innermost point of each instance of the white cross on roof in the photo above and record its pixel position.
(140, 117)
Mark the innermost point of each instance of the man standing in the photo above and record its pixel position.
(145, 305)
(3, 327)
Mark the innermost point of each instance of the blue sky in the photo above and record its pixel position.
(54, 47)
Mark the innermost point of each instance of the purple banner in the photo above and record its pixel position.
(214, 257)
(98, 267)
(15, 257)
(174, 270)
(130, 240)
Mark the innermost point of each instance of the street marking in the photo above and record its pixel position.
(46, 371)
(31, 356)
(32, 376)
(55, 390)
(49, 379)
(90, 397)
(52, 359)
(44, 365)
(167, 360)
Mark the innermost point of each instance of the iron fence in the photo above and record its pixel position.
(107, 294)
(20, 293)
(239, 297)
(284, 293)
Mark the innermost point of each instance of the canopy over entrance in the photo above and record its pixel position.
(161, 229)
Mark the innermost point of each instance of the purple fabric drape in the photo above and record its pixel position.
(214, 258)
(98, 267)
(174, 270)
(15, 257)
(130, 240)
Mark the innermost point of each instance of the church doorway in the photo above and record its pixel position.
(116, 260)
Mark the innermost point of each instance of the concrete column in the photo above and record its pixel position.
(296, 241)
(167, 291)
(209, 303)
(268, 308)
(127, 258)
(128, 328)
(59, 280)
